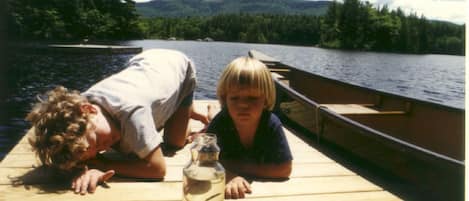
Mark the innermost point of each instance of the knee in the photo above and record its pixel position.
(160, 172)
(157, 171)
(175, 142)
(175, 145)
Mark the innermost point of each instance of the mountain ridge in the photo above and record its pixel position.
(185, 8)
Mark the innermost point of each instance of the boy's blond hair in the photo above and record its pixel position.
(59, 129)
(247, 72)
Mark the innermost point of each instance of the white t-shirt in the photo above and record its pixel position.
(142, 97)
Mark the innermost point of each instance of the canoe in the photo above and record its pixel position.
(417, 141)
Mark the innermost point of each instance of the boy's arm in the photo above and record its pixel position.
(100, 170)
(152, 167)
(271, 171)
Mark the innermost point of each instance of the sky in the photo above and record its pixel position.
(448, 10)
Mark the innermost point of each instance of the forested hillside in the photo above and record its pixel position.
(352, 24)
(72, 19)
(183, 8)
(357, 25)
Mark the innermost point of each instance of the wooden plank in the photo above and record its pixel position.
(353, 109)
(29, 160)
(283, 70)
(354, 196)
(173, 190)
(350, 109)
(40, 175)
(313, 185)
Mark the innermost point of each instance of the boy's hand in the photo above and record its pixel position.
(88, 181)
(237, 188)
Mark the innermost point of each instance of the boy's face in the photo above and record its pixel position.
(245, 105)
(99, 139)
(92, 140)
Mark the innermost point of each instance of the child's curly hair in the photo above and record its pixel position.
(59, 129)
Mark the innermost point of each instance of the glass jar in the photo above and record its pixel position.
(204, 176)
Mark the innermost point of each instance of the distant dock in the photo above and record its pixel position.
(81, 48)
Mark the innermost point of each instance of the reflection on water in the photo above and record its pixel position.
(436, 78)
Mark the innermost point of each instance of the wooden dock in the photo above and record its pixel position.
(79, 48)
(315, 176)
(95, 49)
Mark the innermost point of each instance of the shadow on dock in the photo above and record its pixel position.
(31, 180)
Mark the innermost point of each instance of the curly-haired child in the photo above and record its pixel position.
(126, 111)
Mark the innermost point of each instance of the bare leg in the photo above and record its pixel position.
(157, 168)
(176, 128)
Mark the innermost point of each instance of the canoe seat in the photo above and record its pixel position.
(283, 70)
(356, 109)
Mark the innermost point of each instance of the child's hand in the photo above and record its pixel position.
(237, 188)
(88, 181)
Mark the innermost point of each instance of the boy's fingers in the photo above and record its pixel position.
(77, 182)
(77, 185)
(107, 175)
(247, 186)
(93, 184)
(84, 184)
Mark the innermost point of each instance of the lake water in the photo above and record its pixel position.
(435, 78)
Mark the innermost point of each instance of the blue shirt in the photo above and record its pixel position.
(270, 145)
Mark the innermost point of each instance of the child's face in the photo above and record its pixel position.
(245, 105)
(98, 140)
(92, 140)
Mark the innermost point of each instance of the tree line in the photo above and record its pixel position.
(72, 19)
(357, 25)
(349, 25)
(259, 28)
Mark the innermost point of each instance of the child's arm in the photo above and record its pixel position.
(151, 167)
(102, 169)
(272, 171)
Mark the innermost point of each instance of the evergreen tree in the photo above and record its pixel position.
(72, 19)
